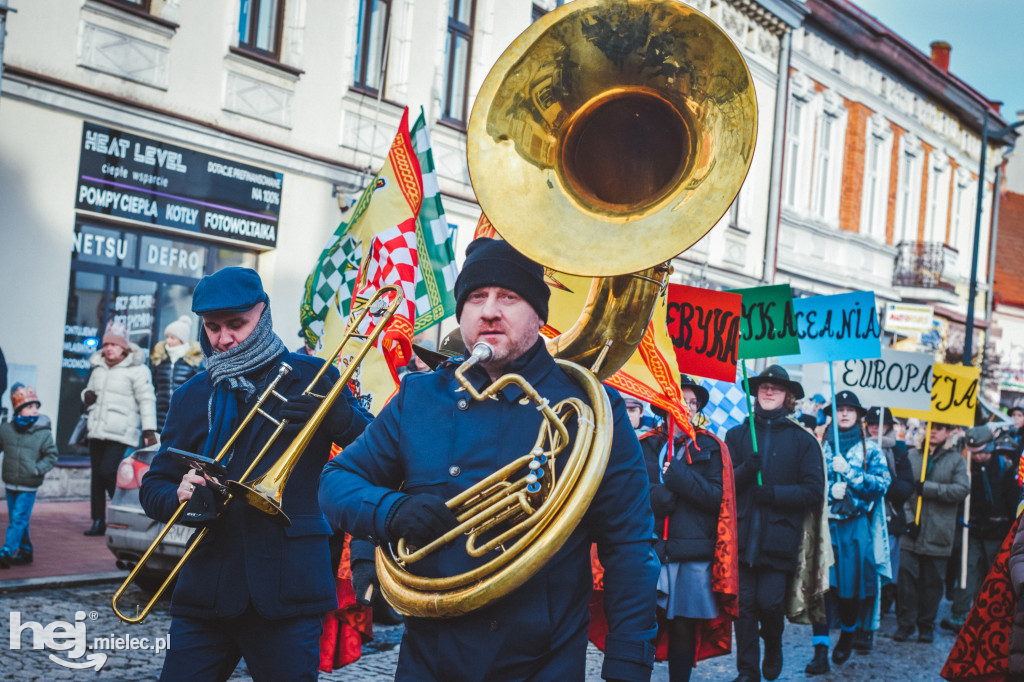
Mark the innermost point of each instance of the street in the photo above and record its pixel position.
(890, 661)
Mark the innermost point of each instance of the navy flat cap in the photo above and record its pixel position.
(228, 290)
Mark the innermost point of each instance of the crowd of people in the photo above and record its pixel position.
(821, 513)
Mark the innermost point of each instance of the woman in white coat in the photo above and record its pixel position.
(122, 407)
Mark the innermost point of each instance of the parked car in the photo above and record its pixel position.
(130, 532)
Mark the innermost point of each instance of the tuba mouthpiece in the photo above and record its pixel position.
(482, 352)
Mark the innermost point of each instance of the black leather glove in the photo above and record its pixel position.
(913, 530)
(764, 494)
(364, 581)
(421, 519)
(919, 486)
(298, 411)
(89, 397)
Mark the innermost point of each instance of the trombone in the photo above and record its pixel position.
(265, 493)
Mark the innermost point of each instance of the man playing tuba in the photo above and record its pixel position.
(432, 442)
(253, 589)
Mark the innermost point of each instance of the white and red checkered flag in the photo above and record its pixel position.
(392, 260)
(377, 247)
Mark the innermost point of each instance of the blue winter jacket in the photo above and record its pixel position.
(283, 571)
(866, 483)
(433, 438)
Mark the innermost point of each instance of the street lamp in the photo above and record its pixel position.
(973, 292)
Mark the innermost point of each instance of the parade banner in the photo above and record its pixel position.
(954, 396)
(896, 379)
(838, 327)
(704, 327)
(767, 328)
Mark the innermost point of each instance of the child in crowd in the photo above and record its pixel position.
(29, 452)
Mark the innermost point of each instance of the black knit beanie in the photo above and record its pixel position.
(494, 263)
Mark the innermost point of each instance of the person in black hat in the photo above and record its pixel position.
(776, 485)
(1006, 446)
(925, 551)
(993, 507)
(687, 487)
(858, 477)
(255, 588)
(432, 442)
(900, 489)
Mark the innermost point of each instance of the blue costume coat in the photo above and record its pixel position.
(248, 558)
(433, 437)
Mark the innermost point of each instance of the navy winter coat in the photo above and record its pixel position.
(248, 558)
(433, 438)
(690, 497)
(769, 532)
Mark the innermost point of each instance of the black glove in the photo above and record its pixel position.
(676, 475)
(919, 486)
(913, 530)
(420, 519)
(764, 494)
(89, 397)
(298, 411)
(754, 461)
(364, 581)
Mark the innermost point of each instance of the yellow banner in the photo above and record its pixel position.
(954, 396)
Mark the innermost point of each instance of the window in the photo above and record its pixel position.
(877, 160)
(372, 44)
(456, 58)
(793, 141)
(937, 208)
(828, 158)
(908, 190)
(259, 26)
(825, 170)
(961, 221)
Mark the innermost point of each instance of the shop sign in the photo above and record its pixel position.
(908, 318)
(104, 246)
(173, 257)
(150, 181)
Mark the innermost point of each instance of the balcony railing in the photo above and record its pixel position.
(930, 265)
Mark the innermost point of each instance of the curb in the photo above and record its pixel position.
(26, 584)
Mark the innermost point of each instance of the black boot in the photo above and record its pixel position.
(771, 666)
(844, 648)
(97, 528)
(819, 664)
(863, 640)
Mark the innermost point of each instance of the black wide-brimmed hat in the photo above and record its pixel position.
(452, 346)
(698, 390)
(775, 374)
(847, 399)
(872, 416)
(1006, 443)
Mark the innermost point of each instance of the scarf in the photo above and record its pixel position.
(763, 415)
(847, 439)
(175, 353)
(229, 373)
(23, 423)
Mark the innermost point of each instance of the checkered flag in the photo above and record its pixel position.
(727, 405)
(435, 276)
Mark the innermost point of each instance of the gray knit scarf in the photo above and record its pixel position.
(256, 352)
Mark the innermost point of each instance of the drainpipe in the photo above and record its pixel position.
(771, 240)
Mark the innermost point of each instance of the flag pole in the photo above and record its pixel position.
(835, 412)
(750, 413)
(924, 470)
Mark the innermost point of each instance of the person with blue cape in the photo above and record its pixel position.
(858, 476)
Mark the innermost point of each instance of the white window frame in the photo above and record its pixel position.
(874, 207)
(799, 145)
(908, 189)
(828, 158)
(965, 196)
(937, 208)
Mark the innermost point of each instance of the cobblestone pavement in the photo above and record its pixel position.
(890, 661)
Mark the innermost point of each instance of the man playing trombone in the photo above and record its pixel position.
(432, 442)
(254, 588)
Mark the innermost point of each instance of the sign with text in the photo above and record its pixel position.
(838, 327)
(704, 326)
(896, 379)
(767, 328)
(150, 181)
(908, 318)
(954, 396)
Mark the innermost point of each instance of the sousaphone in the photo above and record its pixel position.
(608, 138)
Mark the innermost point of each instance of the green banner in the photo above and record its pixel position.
(767, 328)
